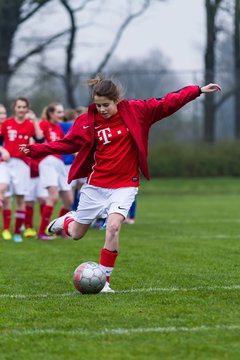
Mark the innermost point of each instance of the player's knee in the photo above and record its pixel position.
(76, 235)
(113, 228)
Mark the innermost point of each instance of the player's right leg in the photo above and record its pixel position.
(67, 223)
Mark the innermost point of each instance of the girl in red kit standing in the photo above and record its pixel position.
(6, 204)
(52, 170)
(36, 193)
(14, 168)
(112, 144)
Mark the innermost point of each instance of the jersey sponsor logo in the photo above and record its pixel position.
(53, 136)
(85, 126)
(12, 134)
(104, 134)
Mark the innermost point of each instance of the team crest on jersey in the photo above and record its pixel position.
(53, 136)
(12, 134)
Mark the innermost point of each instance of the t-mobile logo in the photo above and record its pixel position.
(104, 134)
(12, 134)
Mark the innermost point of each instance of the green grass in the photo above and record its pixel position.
(177, 280)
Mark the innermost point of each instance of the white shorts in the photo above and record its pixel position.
(96, 202)
(36, 190)
(16, 174)
(53, 173)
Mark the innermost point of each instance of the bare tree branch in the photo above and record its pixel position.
(69, 82)
(35, 10)
(81, 7)
(37, 50)
(119, 34)
(53, 73)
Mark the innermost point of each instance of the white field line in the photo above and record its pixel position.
(200, 236)
(120, 331)
(151, 289)
(188, 221)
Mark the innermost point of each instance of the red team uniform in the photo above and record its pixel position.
(15, 134)
(112, 152)
(113, 162)
(16, 172)
(52, 172)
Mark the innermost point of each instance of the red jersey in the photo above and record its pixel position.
(16, 133)
(51, 132)
(138, 116)
(116, 155)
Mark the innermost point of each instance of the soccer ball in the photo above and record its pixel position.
(89, 278)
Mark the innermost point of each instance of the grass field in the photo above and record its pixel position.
(177, 283)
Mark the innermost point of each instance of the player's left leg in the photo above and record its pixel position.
(20, 179)
(7, 217)
(118, 207)
(20, 215)
(109, 252)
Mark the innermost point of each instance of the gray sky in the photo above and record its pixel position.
(176, 27)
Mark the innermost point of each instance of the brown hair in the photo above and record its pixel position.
(20, 98)
(70, 115)
(50, 109)
(105, 87)
(81, 110)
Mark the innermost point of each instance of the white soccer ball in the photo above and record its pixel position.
(89, 278)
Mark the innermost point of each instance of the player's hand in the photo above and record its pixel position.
(31, 116)
(23, 148)
(211, 88)
(5, 155)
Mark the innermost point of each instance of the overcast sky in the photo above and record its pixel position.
(176, 27)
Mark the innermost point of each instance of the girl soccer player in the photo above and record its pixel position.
(112, 144)
(14, 168)
(52, 170)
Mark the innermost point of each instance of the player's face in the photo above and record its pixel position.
(105, 106)
(20, 109)
(3, 114)
(58, 114)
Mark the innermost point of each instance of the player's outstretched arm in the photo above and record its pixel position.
(210, 88)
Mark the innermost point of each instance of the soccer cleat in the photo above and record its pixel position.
(6, 235)
(17, 238)
(29, 233)
(57, 224)
(107, 288)
(46, 237)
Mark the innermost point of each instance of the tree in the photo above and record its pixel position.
(212, 6)
(14, 13)
(237, 66)
(11, 17)
(69, 76)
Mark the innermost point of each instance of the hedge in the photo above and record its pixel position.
(195, 160)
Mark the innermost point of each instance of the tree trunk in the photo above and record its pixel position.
(237, 68)
(209, 111)
(9, 18)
